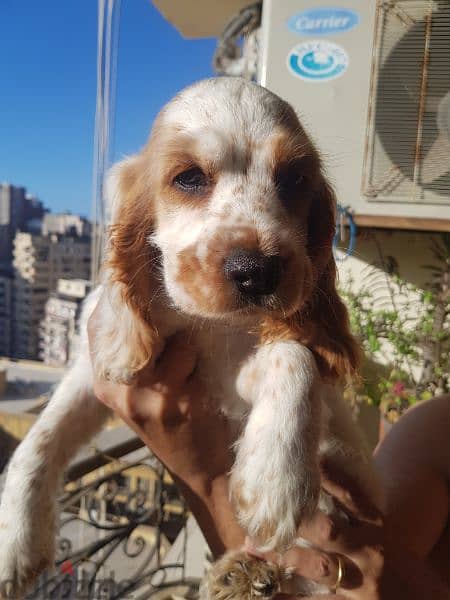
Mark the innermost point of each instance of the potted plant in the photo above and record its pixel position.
(405, 333)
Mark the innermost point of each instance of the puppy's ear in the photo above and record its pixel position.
(130, 277)
(325, 324)
(321, 227)
(130, 257)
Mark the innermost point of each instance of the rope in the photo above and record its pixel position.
(232, 57)
(107, 49)
(345, 227)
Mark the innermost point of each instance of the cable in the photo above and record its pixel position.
(107, 49)
(236, 54)
(344, 220)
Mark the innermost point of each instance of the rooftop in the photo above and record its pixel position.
(26, 381)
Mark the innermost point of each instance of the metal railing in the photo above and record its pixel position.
(120, 516)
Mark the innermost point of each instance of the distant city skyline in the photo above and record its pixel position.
(47, 105)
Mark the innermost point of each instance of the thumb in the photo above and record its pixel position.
(326, 597)
(177, 362)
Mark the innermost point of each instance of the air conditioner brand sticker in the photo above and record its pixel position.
(318, 60)
(323, 21)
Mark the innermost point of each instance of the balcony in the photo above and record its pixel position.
(124, 531)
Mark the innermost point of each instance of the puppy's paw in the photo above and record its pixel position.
(239, 575)
(271, 504)
(24, 555)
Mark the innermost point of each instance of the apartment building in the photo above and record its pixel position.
(5, 311)
(18, 211)
(59, 332)
(65, 223)
(39, 262)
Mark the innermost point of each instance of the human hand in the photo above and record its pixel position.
(170, 411)
(353, 553)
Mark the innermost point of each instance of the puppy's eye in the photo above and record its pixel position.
(289, 182)
(192, 181)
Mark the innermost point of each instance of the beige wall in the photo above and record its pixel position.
(410, 249)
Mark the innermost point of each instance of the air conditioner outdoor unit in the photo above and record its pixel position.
(372, 82)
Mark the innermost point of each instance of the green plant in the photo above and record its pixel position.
(405, 327)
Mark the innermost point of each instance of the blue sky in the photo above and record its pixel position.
(48, 86)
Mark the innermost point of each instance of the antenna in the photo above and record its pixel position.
(107, 50)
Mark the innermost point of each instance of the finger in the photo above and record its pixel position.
(348, 493)
(251, 548)
(332, 534)
(326, 597)
(321, 597)
(312, 564)
(177, 362)
(320, 530)
(93, 324)
(306, 562)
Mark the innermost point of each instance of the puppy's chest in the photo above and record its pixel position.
(223, 355)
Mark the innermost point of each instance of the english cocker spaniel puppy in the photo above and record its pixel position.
(223, 226)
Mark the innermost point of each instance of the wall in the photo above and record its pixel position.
(410, 249)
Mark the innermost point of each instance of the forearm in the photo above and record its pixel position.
(414, 466)
(210, 505)
(174, 418)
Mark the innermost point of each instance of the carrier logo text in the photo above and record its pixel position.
(323, 21)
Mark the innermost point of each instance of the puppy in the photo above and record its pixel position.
(222, 226)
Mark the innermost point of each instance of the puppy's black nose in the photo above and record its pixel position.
(253, 273)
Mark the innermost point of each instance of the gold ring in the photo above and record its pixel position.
(340, 574)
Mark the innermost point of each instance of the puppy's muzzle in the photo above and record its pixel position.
(253, 273)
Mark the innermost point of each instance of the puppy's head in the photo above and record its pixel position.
(229, 199)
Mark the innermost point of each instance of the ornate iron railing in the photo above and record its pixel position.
(119, 521)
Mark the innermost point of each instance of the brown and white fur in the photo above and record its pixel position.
(222, 226)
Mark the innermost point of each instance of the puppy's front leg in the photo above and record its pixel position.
(275, 480)
(28, 509)
(29, 501)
